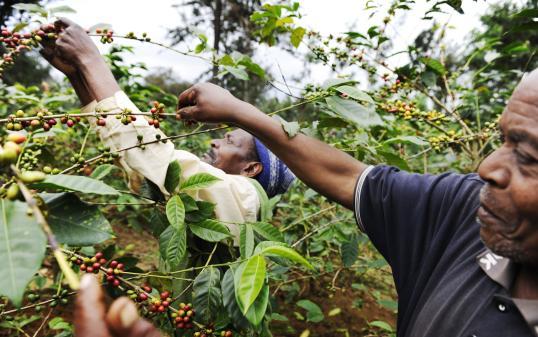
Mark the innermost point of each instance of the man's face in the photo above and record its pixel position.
(508, 210)
(231, 153)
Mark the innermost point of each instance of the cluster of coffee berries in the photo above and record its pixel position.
(438, 142)
(106, 35)
(70, 121)
(11, 149)
(60, 298)
(125, 117)
(144, 38)
(90, 264)
(114, 268)
(157, 112)
(16, 42)
(16, 123)
(184, 316)
(212, 333)
(162, 304)
(410, 111)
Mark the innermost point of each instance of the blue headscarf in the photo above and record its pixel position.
(275, 177)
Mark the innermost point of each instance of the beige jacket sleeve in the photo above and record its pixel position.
(236, 199)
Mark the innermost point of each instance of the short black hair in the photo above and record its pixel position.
(252, 153)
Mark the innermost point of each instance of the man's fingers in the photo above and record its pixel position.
(90, 309)
(65, 22)
(187, 98)
(47, 54)
(123, 320)
(188, 113)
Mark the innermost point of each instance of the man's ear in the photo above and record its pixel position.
(252, 169)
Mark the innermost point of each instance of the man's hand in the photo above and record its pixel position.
(74, 44)
(93, 320)
(49, 53)
(208, 103)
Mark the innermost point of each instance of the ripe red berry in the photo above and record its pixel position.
(52, 122)
(116, 283)
(186, 319)
(83, 267)
(46, 127)
(165, 295)
(156, 123)
(70, 123)
(161, 308)
(188, 326)
(99, 255)
(89, 269)
(96, 265)
(181, 325)
(166, 304)
(101, 122)
(187, 307)
(142, 297)
(114, 264)
(102, 261)
(120, 266)
(110, 278)
(147, 288)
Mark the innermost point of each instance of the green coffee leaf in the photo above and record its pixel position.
(173, 174)
(350, 250)
(351, 111)
(297, 36)
(74, 222)
(198, 181)
(251, 281)
(230, 302)
(22, 249)
(267, 231)
(313, 311)
(175, 212)
(246, 240)
(210, 230)
(287, 253)
(207, 294)
(76, 184)
(102, 171)
(173, 245)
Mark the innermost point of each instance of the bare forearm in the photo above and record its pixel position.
(82, 92)
(329, 171)
(98, 78)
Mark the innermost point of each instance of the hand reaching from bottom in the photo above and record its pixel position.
(92, 319)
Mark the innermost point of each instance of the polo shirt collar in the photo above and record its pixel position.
(503, 271)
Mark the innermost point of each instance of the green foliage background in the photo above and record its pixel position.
(436, 113)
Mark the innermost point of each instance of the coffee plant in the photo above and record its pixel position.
(60, 188)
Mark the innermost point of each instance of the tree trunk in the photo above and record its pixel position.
(217, 30)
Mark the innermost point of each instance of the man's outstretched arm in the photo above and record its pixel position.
(329, 171)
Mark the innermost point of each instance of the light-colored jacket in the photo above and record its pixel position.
(235, 197)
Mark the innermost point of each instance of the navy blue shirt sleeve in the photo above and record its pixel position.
(413, 218)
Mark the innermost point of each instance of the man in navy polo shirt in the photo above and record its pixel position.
(463, 248)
